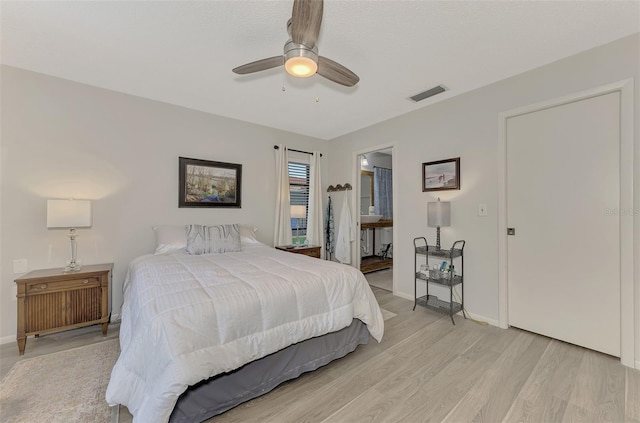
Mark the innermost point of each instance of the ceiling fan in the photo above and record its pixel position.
(300, 57)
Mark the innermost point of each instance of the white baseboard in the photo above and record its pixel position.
(7, 339)
(403, 295)
(492, 322)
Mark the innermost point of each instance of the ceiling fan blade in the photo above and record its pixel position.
(335, 72)
(260, 65)
(305, 21)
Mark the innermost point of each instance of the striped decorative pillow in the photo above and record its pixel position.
(212, 239)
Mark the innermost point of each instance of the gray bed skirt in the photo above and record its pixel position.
(223, 392)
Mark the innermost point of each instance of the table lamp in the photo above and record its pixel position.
(69, 214)
(438, 215)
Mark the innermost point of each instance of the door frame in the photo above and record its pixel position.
(627, 296)
(355, 200)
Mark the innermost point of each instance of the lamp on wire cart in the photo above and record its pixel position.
(438, 215)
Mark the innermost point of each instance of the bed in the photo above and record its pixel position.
(201, 333)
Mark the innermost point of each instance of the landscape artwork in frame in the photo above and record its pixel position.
(205, 183)
(441, 175)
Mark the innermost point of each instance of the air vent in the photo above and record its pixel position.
(429, 93)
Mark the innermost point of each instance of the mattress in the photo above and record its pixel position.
(187, 318)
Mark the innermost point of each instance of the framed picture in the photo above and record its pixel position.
(441, 175)
(203, 183)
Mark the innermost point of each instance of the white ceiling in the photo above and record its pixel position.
(183, 52)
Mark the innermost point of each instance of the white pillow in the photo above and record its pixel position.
(212, 239)
(170, 239)
(248, 234)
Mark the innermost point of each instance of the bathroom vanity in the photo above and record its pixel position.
(375, 261)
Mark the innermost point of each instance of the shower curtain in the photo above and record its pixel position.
(383, 192)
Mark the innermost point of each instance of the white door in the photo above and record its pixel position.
(563, 190)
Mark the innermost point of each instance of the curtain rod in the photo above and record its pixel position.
(380, 167)
(275, 147)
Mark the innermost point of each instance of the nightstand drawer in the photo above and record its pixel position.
(48, 287)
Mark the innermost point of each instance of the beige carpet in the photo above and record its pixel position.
(67, 386)
(386, 314)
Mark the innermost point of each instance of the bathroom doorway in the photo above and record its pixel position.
(375, 251)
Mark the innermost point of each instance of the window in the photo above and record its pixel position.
(299, 194)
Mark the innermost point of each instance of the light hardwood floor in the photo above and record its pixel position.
(427, 370)
(382, 279)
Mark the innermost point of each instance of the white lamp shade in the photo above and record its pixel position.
(438, 214)
(298, 212)
(68, 214)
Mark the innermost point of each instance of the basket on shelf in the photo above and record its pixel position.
(437, 274)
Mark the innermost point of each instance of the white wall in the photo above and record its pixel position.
(467, 127)
(61, 139)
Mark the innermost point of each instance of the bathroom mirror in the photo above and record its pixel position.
(366, 191)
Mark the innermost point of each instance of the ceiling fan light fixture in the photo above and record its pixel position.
(300, 61)
(301, 67)
(300, 56)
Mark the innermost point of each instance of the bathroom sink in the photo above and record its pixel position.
(370, 218)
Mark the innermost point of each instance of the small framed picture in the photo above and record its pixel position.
(441, 175)
(204, 183)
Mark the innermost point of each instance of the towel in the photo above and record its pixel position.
(346, 234)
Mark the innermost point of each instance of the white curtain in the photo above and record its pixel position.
(315, 232)
(282, 227)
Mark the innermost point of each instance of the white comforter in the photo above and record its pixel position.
(186, 318)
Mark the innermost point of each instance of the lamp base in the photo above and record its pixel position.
(73, 267)
(438, 238)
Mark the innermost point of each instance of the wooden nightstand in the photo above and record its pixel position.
(309, 250)
(52, 300)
